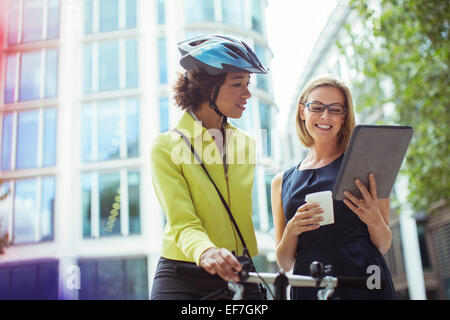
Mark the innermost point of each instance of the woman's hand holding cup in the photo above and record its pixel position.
(306, 218)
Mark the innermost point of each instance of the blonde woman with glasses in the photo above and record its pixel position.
(355, 243)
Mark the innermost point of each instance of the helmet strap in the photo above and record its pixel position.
(212, 104)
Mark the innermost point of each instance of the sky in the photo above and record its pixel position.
(293, 27)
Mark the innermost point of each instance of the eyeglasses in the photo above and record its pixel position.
(319, 107)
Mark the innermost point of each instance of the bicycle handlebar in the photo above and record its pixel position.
(293, 280)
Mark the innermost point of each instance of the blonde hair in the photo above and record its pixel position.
(349, 121)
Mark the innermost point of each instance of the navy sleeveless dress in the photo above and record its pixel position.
(346, 244)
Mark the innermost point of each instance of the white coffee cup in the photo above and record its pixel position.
(326, 203)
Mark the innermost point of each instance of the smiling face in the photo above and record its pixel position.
(324, 127)
(233, 94)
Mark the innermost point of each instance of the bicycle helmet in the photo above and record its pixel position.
(218, 54)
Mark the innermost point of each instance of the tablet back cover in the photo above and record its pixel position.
(372, 148)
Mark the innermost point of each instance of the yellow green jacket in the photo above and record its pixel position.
(196, 218)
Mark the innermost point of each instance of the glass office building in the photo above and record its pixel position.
(85, 88)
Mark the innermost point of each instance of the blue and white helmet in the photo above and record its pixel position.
(218, 54)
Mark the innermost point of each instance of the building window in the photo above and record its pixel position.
(233, 12)
(109, 15)
(33, 20)
(31, 75)
(125, 279)
(261, 79)
(161, 9)
(268, 184)
(110, 203)
(36, 280)
(162, 58)
(27, 213)
(29, 139)
(196, 10)
(110, 129)
(257, 16)
(255, 202)
(110, 65)
(164, 114)
(265, 118)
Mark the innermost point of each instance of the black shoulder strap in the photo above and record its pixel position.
(217, 189)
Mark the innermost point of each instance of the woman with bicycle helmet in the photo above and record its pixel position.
(199, 229)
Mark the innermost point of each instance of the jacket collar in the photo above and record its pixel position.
(193, 128)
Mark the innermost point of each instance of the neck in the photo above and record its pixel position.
(323, 153)
(209, 118)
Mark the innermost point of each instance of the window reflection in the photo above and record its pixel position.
(108, 72)
(162, 57)
(104, 191)
(27, 140)
(11, 76)
(47, 208)
(33, 11)
(34, 15)
(33, 223)
(266, 126)
(131, 14)
(106, 62)
(30, 76)
(29, 71)
(5, 207)
(53, 19)
(109, 133)
(86, 195)
(164, 114)
(199, 10)
(132, 128)
(262, 81)
(87, 68)
(255, 202)
(128, 275)
(132, 65)
(257, 16)
(49, 154)
(7, 135)
(51, 74)
(110, 130)
(109, 191)
(25, 211)
(233, 12)
(13, 26)
(108, 15)
(161, 11)
(133, 202)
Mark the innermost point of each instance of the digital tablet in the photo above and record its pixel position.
(372, 148)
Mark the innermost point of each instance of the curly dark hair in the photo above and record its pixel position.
(195, 87)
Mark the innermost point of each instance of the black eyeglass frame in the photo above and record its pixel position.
(324, 106)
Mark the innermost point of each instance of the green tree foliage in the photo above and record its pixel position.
(400, 56)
